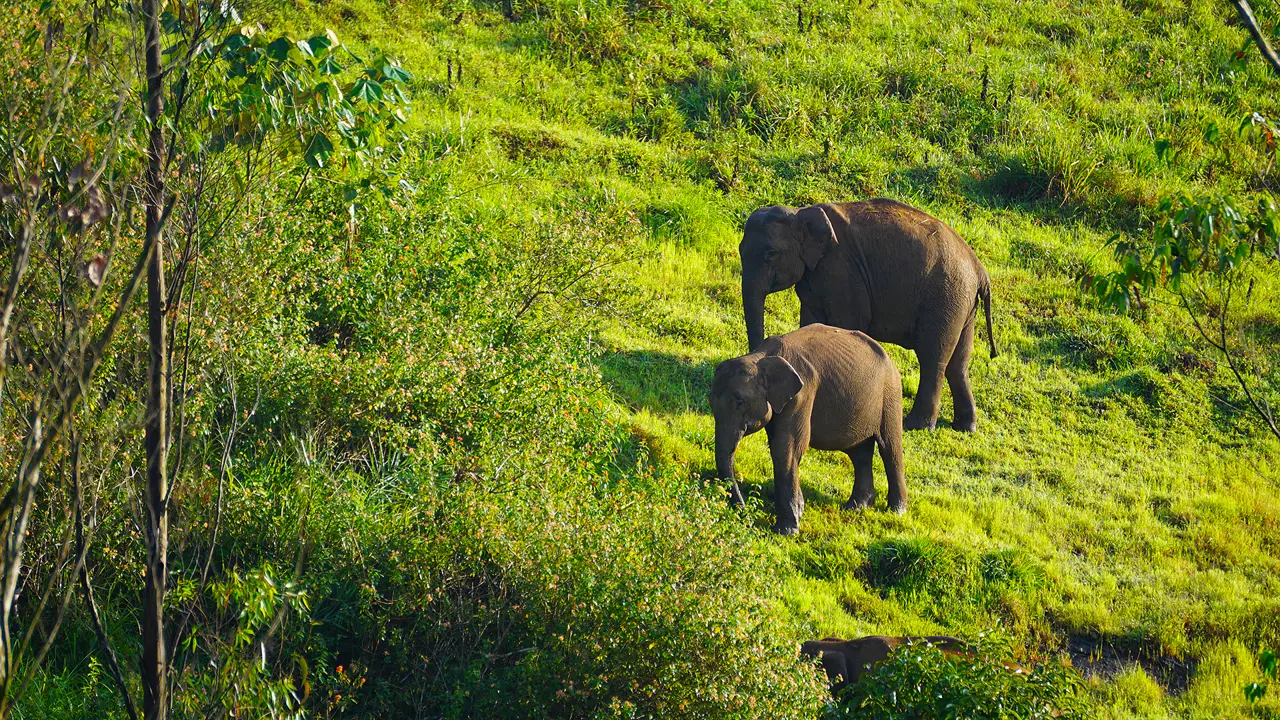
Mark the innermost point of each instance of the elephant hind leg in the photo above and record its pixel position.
(966, 411)
(890, 443)
(864, 485)
(934, 352)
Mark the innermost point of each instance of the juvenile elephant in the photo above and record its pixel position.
(847, 660)
(817, 387)
(894, 272)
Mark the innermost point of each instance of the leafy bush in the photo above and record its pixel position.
(575, 594)
(921, 681)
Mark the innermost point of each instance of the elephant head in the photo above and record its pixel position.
(745, 394)
(778, 245)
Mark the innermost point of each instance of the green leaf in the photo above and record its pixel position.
(318, 150)
(304, 47)
(279, 49)
(1212, 133)
(329, 65)
(319, 44)
(233, 43)
(367, 90)
(395, 73)
(170, 23)
(1162, 148)
(1253, 692)
(329, 91)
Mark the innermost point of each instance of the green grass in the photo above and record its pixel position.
(1114, 491)
(1116, 504)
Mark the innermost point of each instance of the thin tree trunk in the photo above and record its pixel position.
(155, 660)
(15, 534)
(1251, 22)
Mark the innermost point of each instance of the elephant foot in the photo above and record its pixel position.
(786, 529)
(854, 505)
(965, 424)
(915, 423)
(898, 508)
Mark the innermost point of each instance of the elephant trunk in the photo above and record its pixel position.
(727, 439)
(753, 295)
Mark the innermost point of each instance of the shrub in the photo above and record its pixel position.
(575, 595)
(920, 681)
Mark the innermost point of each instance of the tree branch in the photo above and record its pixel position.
(1251, 22)
(1221, 347)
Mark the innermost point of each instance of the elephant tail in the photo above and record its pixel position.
(984, 294)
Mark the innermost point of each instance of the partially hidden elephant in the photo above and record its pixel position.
(817, 387)
(845, 661)
(890, 270)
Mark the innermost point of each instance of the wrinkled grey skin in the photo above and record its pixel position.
(879, 266)
(817, 387)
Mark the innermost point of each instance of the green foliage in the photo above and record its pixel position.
(1203, 236)
(468, 343)
(258, 85)
(237, 678)
(580, 593)
(921, 681)
(83, 692)
(1208, 252)
(929, 575)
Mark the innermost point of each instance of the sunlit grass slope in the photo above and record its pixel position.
(1115, 503)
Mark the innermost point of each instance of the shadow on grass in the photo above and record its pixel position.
(658, 382)
(760, 490)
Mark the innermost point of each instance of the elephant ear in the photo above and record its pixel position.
(817, 236)
(782, 382)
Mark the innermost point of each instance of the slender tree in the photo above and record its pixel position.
(155, 661)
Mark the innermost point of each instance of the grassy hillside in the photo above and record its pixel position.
(1116, 506)
(1115, 503)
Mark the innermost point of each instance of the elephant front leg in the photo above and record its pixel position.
(810, 306)
(810, 316)
(787, 444)
(864, 486)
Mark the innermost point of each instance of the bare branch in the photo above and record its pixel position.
(1221, 345)
(104, 643)
(1251, 23)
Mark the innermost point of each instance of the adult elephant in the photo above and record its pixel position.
(882, 267)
